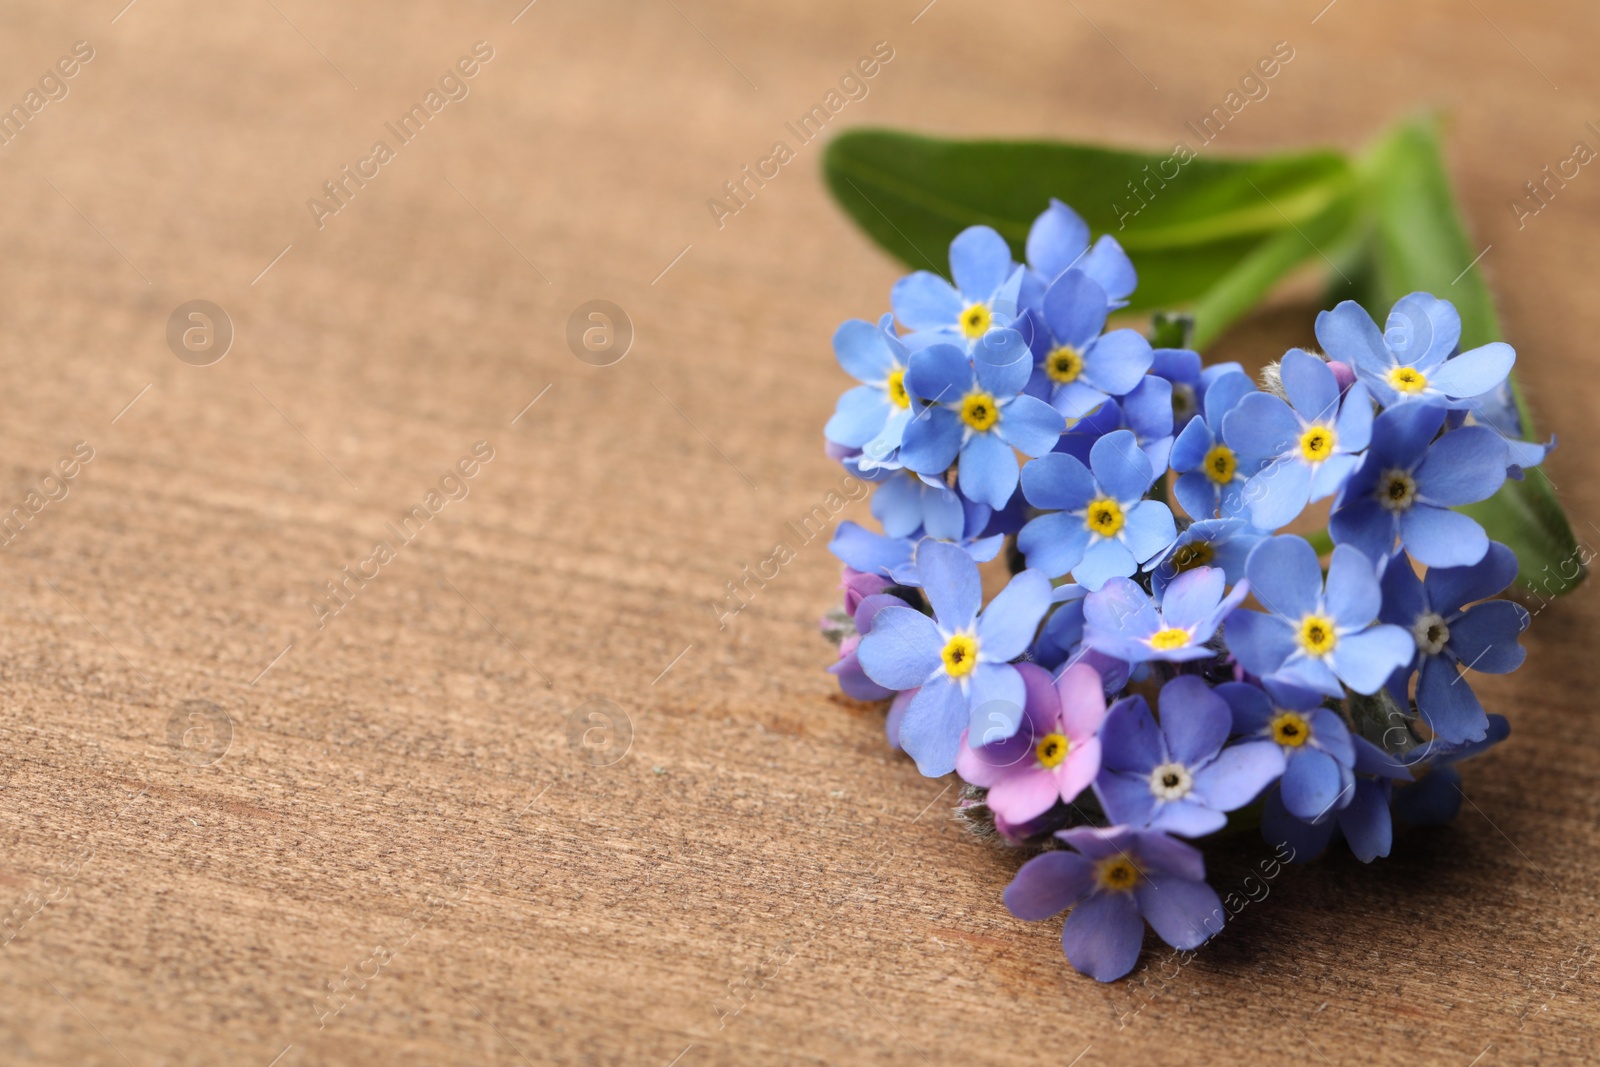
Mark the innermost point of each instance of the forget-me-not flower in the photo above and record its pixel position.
(960, 660)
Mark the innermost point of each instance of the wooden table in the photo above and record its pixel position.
(399, 828)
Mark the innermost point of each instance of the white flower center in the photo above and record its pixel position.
(1397, 490)
(1431, 633)
(1171, 781)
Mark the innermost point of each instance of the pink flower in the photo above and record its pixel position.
(1055, 752)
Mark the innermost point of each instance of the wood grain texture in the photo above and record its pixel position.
(405, 854)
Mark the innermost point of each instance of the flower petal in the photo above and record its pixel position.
(925, 301)
(1102, 936)
(1120, 466)
(1053, 543)
(865, 351)
(1347, 333)
(1057, 482)
(1194, 720)
(1183, 913)
(1057, 239)
(1007, 625)
(1048, 884)
(1075, 308)
(1239, 774)
(1475, 372)
(1286, 577)
(1365, 660)
(950, 580)
(988, 470)
(1031, 426)
(1311, 784)
(902, 650)
(1463, 467)
(980, 262)
(931, 731)
(1438, 537)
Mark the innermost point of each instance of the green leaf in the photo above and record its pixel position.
(1188, 224)
(1420, 244)
(1171, 329)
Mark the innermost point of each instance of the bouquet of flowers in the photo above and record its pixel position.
(1163, 663)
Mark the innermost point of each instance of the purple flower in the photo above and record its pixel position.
(1121, 620)
(959, 660)
(1317, 750)
(1178, 777)
(1409, 481)
(852, 679)
(1116, 881)
(1100, 525)
(1052, 756)
(1316, 638)
(1449, 636)
(1363, 819)
(1311, 442)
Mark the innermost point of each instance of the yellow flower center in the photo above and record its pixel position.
(1052, 750)
(1063, 364)
(1407, 379)
(960, 655)
(1291, 729)
(1220, 464)
(975, 321)
(1317, 635)
(1104, 517)
(1316, 444)
(979, 411)
(1192, 555)
(1118, 874)
(896, 386)
(1170, 638)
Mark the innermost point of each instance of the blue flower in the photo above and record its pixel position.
(1316, 638)
(1497, 409)
(873, 553)
(1411, 359)
(906, 502)
(1312, 441)
(974, 411)
(959, 660)
(1178, 777)
(1212, 476)
(1116, 881)
(1434, 799)
(1224, 543)
(1447, 635)
(1099, 526)
(1146, 412)
(1363, 818)
(1408, 482)
(873, 415)
(1058, 241)
(1121, 620)
(1190, 380)
(1078, 367)
(984, 296)
(1319, 756)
